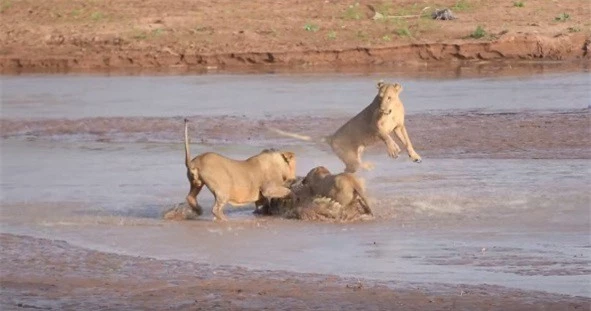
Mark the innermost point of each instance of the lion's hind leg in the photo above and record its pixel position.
(349, 156)
(192, 197)
(368, 166)
(218, 207)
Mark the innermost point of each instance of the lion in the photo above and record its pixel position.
(254, 180)
(344, 188)
(374, 123)
(313, 207)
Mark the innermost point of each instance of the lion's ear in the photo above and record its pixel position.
(398, 87)
(288, 156)
(322, 170)
(380, 84)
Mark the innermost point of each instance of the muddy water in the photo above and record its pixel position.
(96, 160)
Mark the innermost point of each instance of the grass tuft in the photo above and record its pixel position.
(574, 29)
(461, 5)
(5, 5)
(478, 33)
(518, 4)
(563, 17)
(403, 32)
(97, 16)
(353, 12)
(311, 27)
(332, 35)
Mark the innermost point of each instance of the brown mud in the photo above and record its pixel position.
(60, 276)
(519, 135)
(64, 36)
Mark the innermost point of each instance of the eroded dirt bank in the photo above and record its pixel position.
(64, 277)
(60, 35)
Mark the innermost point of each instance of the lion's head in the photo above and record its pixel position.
(285, 160)
(388, 94)
(314, 175)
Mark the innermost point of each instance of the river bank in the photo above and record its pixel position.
(198, 36)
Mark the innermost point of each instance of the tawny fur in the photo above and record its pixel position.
(344, 188)
(374, 123)
(313, 208)
(253, 180)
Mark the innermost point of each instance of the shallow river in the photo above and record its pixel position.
(516, 222)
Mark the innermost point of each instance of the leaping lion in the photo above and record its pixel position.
(383, 116)
(344, 188)
(253, 180)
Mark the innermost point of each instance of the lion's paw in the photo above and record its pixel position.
(368, 166)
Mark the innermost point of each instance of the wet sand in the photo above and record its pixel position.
(63, 277)
(518, 135)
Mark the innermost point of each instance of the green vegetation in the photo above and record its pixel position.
(361, 35)
(408, 27)
(353, 12)
(387, 38)
(97, 16)
(426, 24)
(461, 5)
(75, 13)
(139, 34)
(384, 8)
(5, 5)
(311, 27)
(563, 17)
(574, 29)
(403, 32)
(332, 35)
(478, 33)
(158, 32)
(518, 4)
(409, 10)
(388, 12)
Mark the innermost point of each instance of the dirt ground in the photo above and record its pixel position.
(60, 276)
(79, 35)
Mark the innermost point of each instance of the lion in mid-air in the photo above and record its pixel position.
(254, 180)
(374, 123)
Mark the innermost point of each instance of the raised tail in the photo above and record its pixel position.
(297, 136)
(187, 151)
(192, 175)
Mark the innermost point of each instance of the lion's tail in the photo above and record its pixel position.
(187, 151)
(298, 136)
(358, 188)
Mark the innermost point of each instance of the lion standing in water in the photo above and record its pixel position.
(374, 123)
(253, 180)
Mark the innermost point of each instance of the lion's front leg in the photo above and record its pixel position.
(271, 191)
(391, 145)
(384, 127)
(403, 136)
